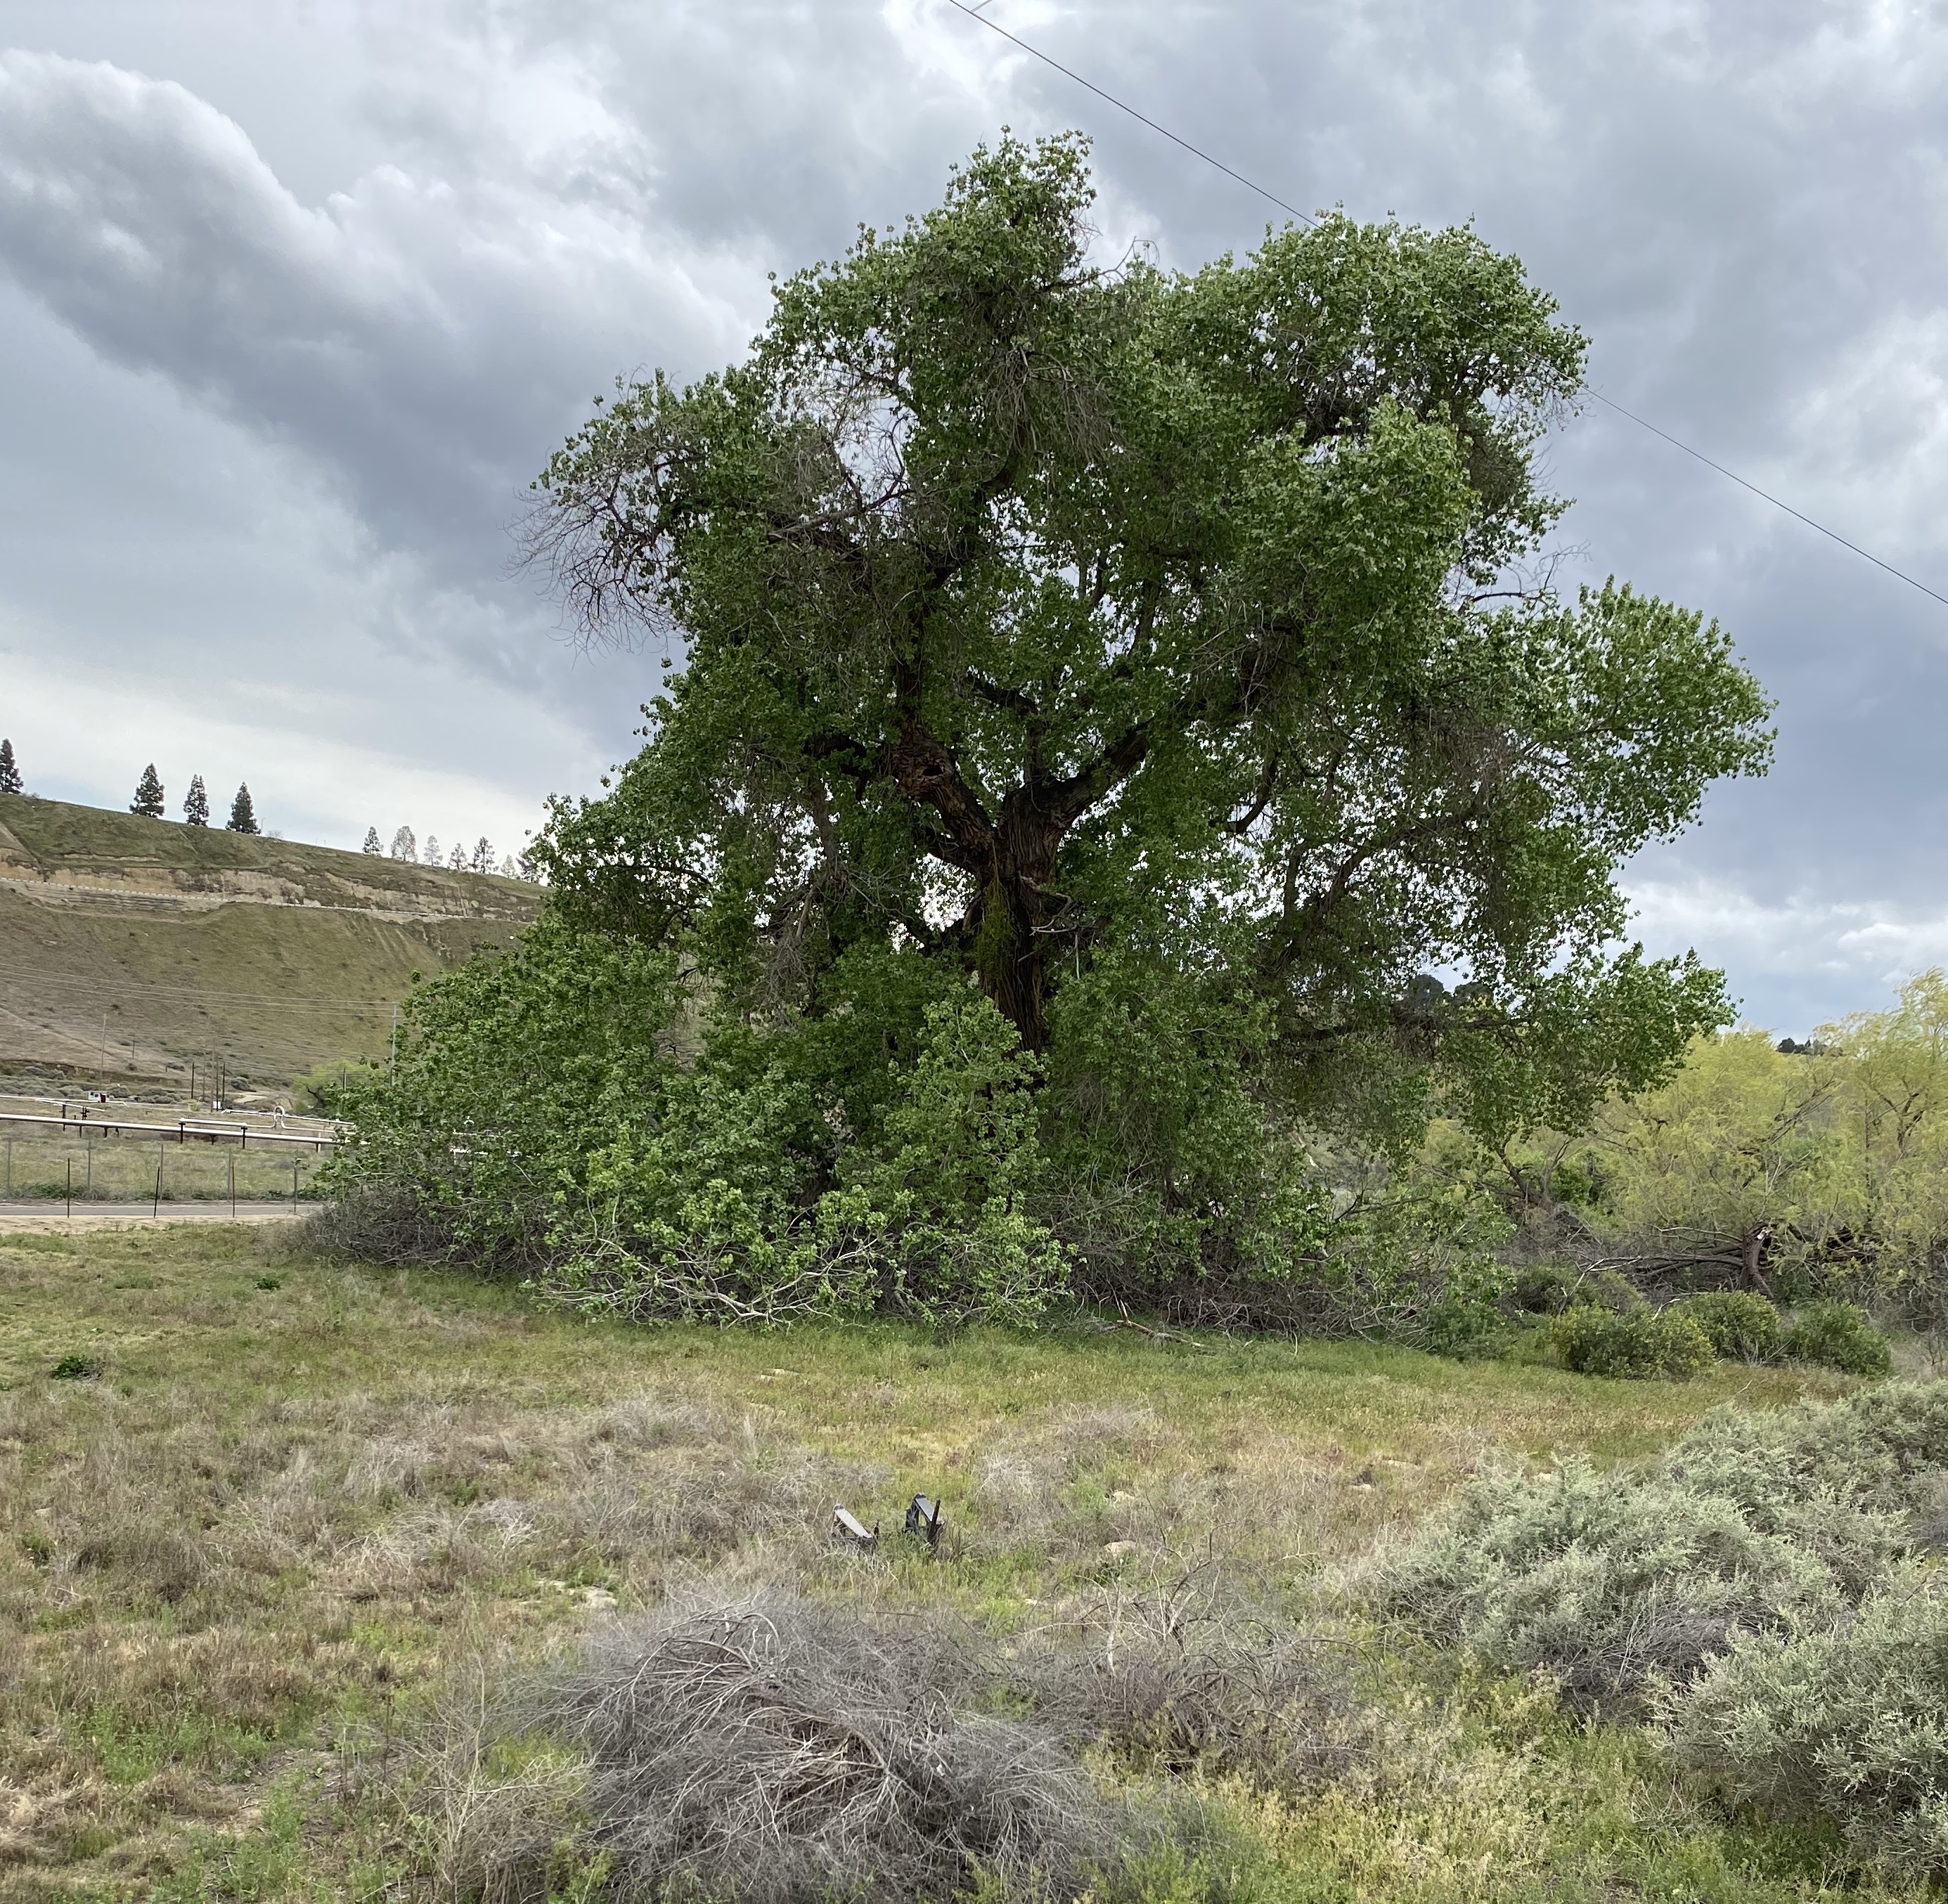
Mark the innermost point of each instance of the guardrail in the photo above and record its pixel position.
(203, 1131)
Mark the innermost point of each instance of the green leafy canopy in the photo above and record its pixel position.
(1032, 607)
(1108, 697)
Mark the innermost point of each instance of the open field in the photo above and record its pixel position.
(131, 948)
(284, 1507)
(96, 1169)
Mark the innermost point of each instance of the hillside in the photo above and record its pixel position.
(133, 949)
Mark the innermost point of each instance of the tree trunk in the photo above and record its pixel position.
(1011, 858)
(1007, 915)
(1752, 1249)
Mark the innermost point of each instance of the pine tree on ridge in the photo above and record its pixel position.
(196, 807)
(372, 845)
(148, 800)
(243, 814)
(9, 770)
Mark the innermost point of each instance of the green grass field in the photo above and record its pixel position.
(122, 1170)
(275, 1514)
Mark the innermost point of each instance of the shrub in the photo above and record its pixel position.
(1740, 1326)
(1754, 1522)
(1852, 1718)
(1606, 1289)
(537, 1117)
(1838, 1335)
(76, 1368)
(1187, 1679)
(336, 1085)
(771, 1749)
(1637, 1344)
(1606, 1583)
(1544, 1289)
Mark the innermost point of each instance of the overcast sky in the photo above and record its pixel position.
(295, 296)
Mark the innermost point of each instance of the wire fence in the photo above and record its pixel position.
(82, 1167)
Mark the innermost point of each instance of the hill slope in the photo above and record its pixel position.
(131, 949)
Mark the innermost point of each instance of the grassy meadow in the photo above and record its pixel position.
(104, 1169)
(268, 1523)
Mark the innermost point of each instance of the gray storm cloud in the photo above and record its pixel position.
(419, 339)
(300, 300)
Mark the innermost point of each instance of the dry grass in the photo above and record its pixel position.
(239, 1566)
(768, 1747)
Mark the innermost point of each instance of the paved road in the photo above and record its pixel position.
(45, 1214)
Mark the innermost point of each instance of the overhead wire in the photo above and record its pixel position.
(976, 14)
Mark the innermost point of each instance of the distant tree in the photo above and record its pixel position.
(196, 807)
(148, 800)
(10, 771)
(509, 871)
(483, 856)
(404, 846)
(372, 845)
(243, 814)
(431, 855)
(456, 861)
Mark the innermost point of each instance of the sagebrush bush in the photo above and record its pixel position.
(1850, 1717)
(1754, 1522)
(1638, 1344)
(1604, 1582)
(1740, 1325)
(1837, 1335)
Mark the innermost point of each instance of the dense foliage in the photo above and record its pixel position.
(1107, 698)
(1792, 1170)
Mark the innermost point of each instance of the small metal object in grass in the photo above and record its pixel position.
(847, 1526)
(923, 1519)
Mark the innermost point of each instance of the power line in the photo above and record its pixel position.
(1123, 105)
(975, 13)
(1900, 574)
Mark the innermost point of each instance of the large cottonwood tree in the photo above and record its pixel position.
(1022, 604)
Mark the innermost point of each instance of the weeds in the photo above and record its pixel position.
(236, 1577)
